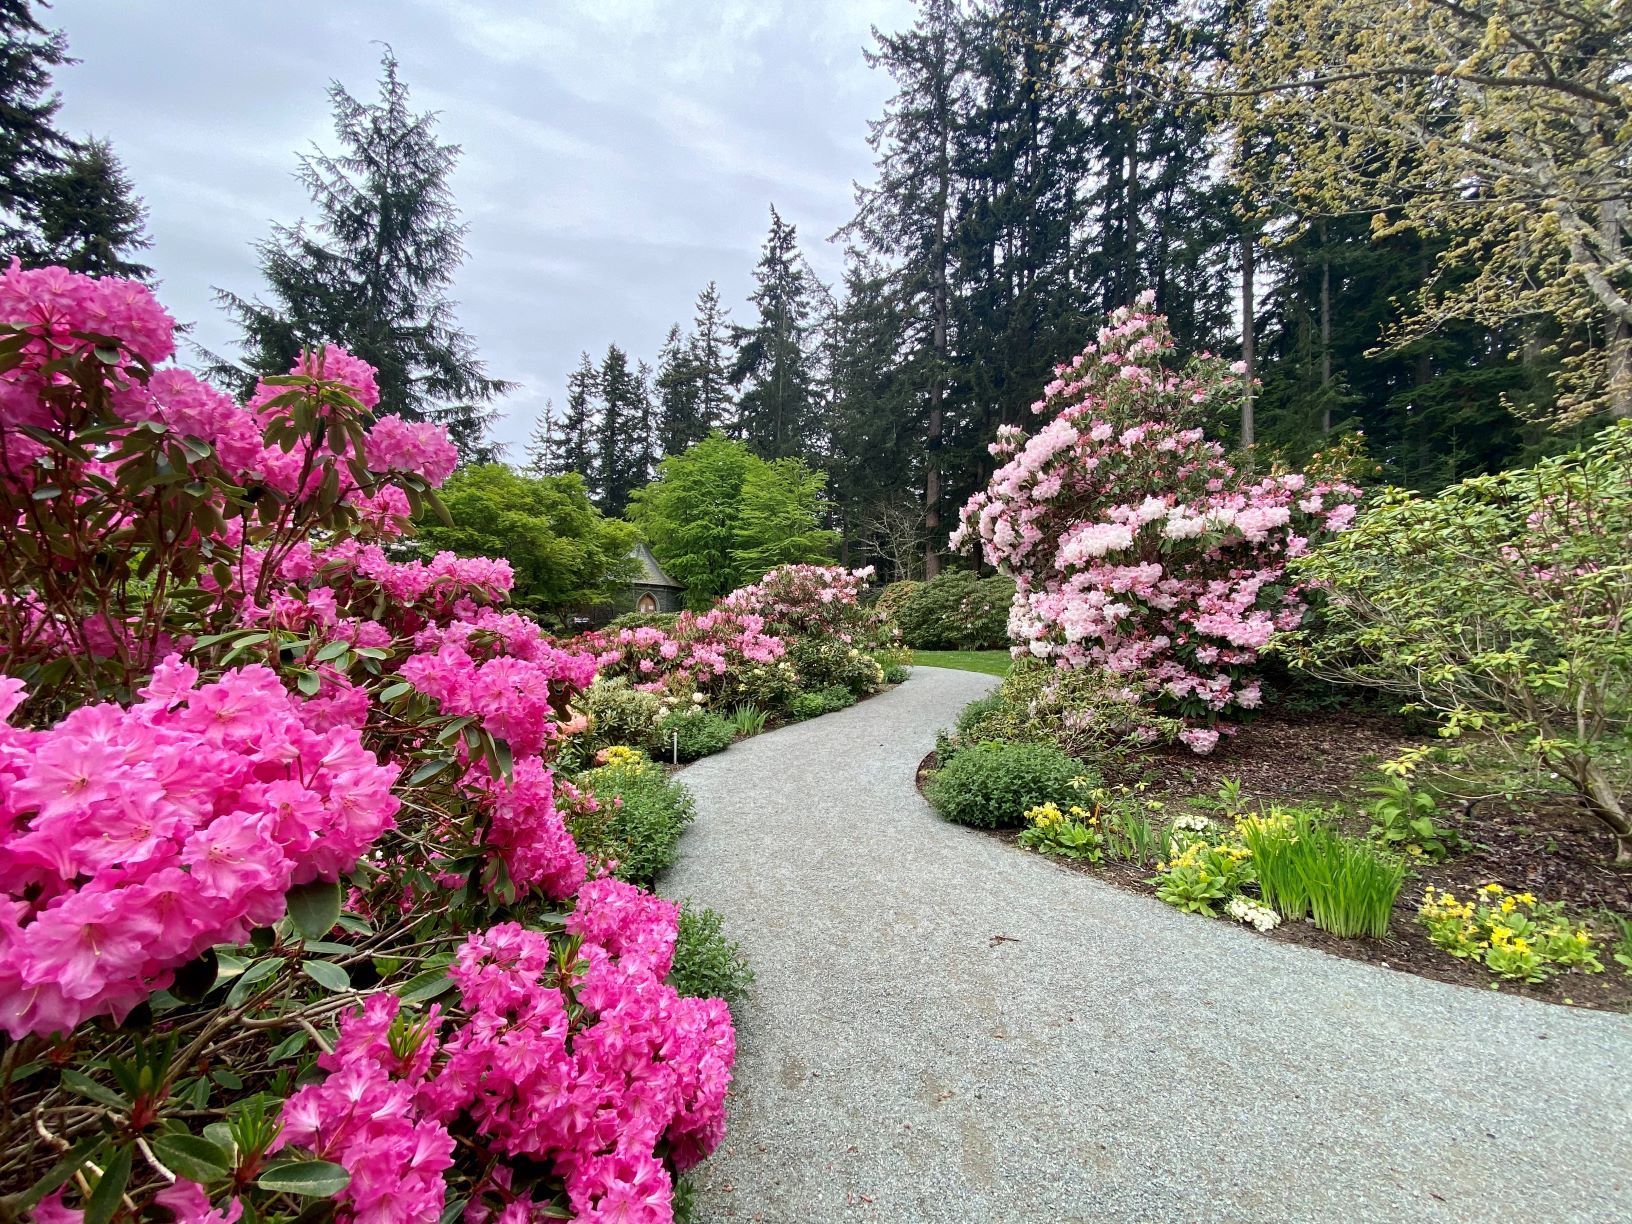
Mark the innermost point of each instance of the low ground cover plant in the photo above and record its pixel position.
(1516, 936)
(707, 965)
(822, 701)
(693, 732)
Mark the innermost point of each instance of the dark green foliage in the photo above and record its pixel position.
(624, 441)
(30, 145)
(991, 785)
(372, 276)
(644, 620)
(776, 404)
(896, 673)
(619, 714)
(564, 552)
(700, 733)
(641, 830)
(707, 965)
(820, 701)
(956, 610)
(575, 448)
(89, 216)
(830, 662)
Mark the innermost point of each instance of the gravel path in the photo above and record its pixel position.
(1108, 1058)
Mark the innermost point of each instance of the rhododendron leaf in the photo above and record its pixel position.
(332, 651)
(85, 1086)
(320, 1178)
(504, 759)
(326, 974)
(110, 1188)
(453, 728)
(71, 1162)
(220, 1134)
(290, 1046)
(451, 1212)
(429, 770)
(423, 987)
(326, 948)
(245, 985)
(438, 508)
(309, 682)
(314, 907)
(355, 923)
(191, 1157)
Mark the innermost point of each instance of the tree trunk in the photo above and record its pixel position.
(1618, 338)
(1606, 805)
(1249, 433)
(1325, 337)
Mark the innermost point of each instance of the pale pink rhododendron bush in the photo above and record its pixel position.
(1136, 545)
(290, 908)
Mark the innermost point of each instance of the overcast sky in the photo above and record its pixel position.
(618, 154)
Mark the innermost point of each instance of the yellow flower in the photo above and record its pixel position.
(1494, 889)
(1527, 898)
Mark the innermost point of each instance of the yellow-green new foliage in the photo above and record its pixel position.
(1503, 606)
(1516, 936)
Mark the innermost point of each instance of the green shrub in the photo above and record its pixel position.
(896, 673)
(707, 965)
(1500, 605)
(822, 701)
(955, 610)
(1402, 818)
(619, 714)
(894, 597)
(700, 733)
(824, 662)
(992, 785)
(644, 620)
(642, 814)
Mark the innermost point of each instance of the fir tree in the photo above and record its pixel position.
(679, 416)
(620, 450)
(544, 443)
(30, 145)
(577, 450)
(89, 216)
(710, 340)
(773, 368)
(373, 274)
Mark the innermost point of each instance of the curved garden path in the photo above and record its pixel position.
(1109, 1059)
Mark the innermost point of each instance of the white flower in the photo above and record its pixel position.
(698, 698)
(1245, 909)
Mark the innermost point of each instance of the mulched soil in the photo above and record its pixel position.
(1547, 846)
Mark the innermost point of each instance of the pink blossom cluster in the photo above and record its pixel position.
(810, 601)
(133, 839)
(703, 652)
(593, 1064)
(1135, 544)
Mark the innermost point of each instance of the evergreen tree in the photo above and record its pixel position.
(373, 274)
(544, 443)
(30, 145)
(621, 453)
(89, 216)
(908, 216)
(577, 450)
(679, 412)
(775, 408)
(644, 451)
(710, 339)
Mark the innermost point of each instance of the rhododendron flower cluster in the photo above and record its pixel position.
(241, 713)
(1135, 544)
(591, 1063)
(810, 601)
(704, 652)
(133, 839)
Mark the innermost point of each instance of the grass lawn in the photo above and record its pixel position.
(992, 662)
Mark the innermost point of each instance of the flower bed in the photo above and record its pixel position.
(289, 908)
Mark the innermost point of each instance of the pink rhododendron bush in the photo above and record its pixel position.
(800, 627)
(292, 919)
(1136, 545)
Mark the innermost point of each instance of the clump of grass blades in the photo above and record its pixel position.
(1133, 839)
(747, 720)
(1306, 868)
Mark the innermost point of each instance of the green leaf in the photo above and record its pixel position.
(309, 682)
(332, 651)
(423, 987)
(314, 907)
(244, 986)
(316, 1178)
(396, 690)
(429, 770)
(191, 1157)
(110, 1188)
(326, 974)
(85, 1086)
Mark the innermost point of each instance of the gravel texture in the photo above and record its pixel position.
(946, 1029)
